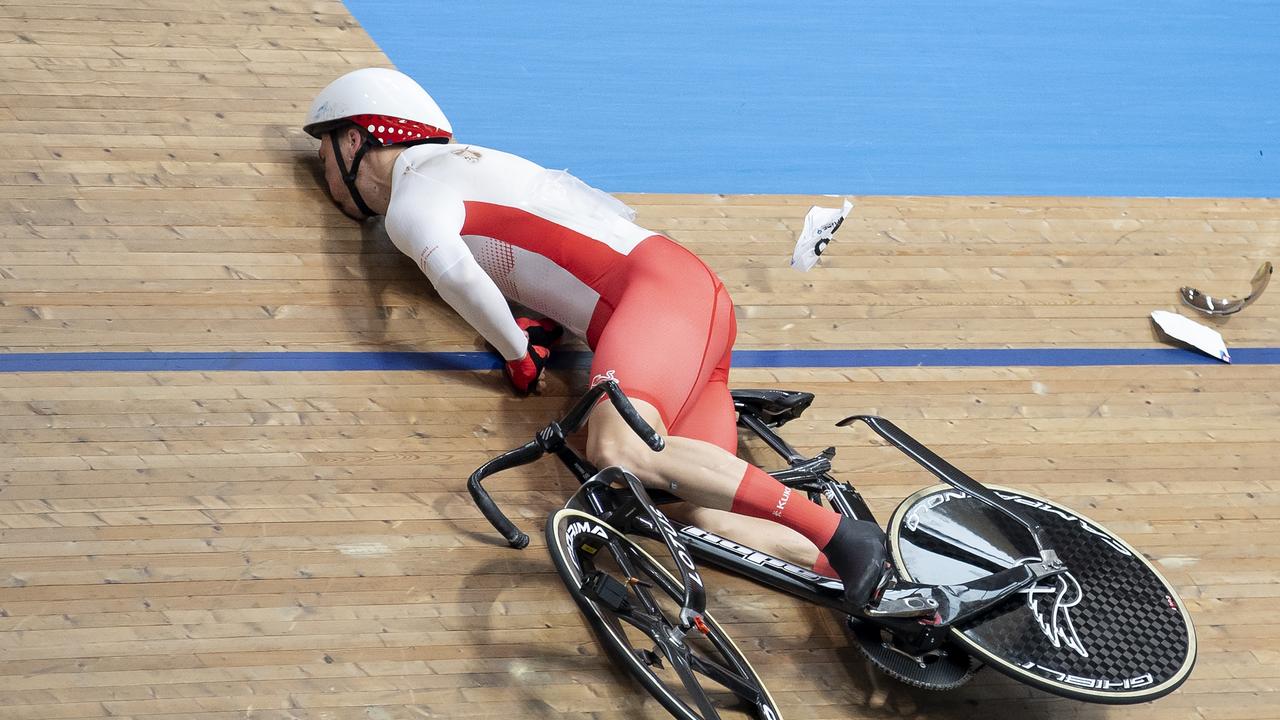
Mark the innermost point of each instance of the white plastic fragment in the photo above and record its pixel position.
(1204, 339)
(820, 227)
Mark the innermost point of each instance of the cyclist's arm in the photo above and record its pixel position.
(426, 226)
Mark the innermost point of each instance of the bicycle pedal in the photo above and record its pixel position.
(606, 590)
(895, 603)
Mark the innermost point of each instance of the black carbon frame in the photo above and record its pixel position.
(810, 475)
(630, 508)
(633, 511)
(632, 514)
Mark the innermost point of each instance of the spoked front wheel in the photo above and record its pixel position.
(1109, 630)
(633, 604)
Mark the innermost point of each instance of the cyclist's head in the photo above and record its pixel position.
(367, 109)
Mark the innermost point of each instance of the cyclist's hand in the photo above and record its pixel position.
(525, 373)
(543, 332)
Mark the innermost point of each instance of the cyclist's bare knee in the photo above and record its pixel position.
(610, 441)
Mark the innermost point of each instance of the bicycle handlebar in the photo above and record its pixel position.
(574, 419)
(947, 472)
(548, 440)
(522, 455)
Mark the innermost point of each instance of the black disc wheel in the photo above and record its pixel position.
(633, 604)
(1109, 630)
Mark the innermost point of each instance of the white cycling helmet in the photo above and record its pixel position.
(387, 105)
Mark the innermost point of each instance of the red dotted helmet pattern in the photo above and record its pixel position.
(391, 130)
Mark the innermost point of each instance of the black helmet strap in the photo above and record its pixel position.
(349, 176)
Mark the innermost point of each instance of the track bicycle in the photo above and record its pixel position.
(980, 576)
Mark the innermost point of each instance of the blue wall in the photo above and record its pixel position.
(1044, 98)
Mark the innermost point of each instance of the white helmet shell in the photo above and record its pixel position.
(377, 92)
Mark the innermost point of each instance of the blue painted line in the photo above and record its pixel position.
(245, 361)
(352, 361)
(1001, 357)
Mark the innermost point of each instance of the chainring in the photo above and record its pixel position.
(947, 668)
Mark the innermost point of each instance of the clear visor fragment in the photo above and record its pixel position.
(1227, 306)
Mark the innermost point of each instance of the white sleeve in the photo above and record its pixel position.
(469, 290)
(425, 222)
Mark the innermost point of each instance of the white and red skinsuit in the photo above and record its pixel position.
(486, 227)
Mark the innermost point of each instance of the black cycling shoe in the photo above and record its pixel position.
(858, 555)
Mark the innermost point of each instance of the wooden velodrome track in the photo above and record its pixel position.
(271, 545)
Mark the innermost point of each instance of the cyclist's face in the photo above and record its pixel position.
(333, 176)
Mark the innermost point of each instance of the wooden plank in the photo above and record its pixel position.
(210, 546)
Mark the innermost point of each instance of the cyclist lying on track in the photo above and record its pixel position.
(487, 227)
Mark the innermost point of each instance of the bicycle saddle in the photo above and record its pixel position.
(775, 407)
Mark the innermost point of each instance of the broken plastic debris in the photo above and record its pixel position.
(1204, 339)
(1227, 306)
(820, 227)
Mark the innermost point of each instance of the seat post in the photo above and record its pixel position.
(771, 438)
